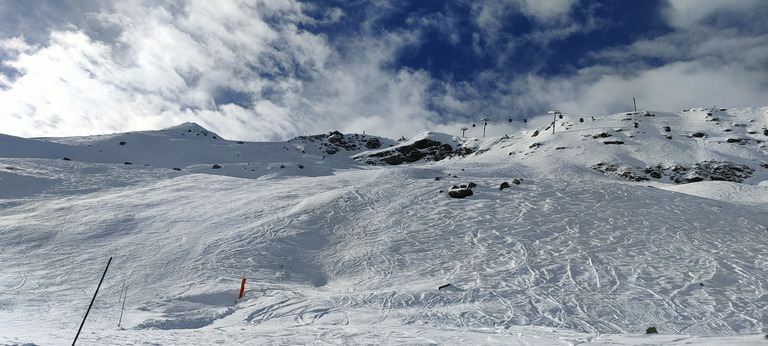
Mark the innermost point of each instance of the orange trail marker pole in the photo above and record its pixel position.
(242, 289)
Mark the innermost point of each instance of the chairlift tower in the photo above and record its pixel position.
(485, 123)
(463, 129)
(554, 119)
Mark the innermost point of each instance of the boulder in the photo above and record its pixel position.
(460, 192)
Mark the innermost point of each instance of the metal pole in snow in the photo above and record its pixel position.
(554, 119)
(92, 300)
(120, 298)
(123, 309)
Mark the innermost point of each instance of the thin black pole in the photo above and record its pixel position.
(92, 300)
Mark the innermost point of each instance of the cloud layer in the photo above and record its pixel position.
(271, 70)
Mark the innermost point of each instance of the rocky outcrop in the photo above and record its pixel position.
(623, 171)
(335, 141)
(701, 171)
(373, 143)
(422, 150)
(712, 170)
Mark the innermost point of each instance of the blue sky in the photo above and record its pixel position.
(271, 70)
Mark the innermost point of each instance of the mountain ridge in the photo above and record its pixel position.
(337, 250)
(682, 147)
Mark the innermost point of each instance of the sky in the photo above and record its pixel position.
(270, 70)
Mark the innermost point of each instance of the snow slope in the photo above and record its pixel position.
(342, 252)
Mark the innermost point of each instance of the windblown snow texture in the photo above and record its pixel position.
(595, 242)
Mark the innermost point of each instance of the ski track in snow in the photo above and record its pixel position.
(358, 256)
(564, 255)
(575, 256)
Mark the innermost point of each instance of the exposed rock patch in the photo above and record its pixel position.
(701, 171)
(373, 143)
(602, 135)
(625, 172)
(425, 149)
(335, 141)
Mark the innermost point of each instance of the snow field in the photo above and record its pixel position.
(336, 252)
(360, 255)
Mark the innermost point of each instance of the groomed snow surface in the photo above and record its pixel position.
(338, 252)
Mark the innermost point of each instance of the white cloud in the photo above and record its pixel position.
(62, 86)
(550, 21)
(491, 14)
(15, 46)
(715, 47)
(363, 94)
(162, 67)
(686, 13)
(544, 11)
(251, 70)
(674, 86)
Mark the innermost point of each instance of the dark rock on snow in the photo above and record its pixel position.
(422, 149)
(460, 192)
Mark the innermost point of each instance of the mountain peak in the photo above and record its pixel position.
(191, 130)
